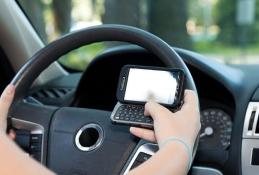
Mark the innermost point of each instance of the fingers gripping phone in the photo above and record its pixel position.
(138, 84)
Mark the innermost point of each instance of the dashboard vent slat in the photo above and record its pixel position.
(51, 93)
(251, 121)
(257, 126)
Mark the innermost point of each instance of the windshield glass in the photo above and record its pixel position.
(225, 30)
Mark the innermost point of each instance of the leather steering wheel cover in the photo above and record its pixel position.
(53, 51)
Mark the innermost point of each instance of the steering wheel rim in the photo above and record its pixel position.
(52, 52)
(44, 57)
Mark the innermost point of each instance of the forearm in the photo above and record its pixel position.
(14, 161)
(172, 159)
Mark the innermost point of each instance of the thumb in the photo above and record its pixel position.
(155, 110)
(6, 100)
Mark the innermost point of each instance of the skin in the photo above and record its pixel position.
(13, 160)
(171, 158)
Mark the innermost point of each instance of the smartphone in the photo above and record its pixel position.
(138, 84)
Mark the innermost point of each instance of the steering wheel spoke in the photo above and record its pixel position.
(31, 121)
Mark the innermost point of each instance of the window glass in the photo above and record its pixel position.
(225, 30)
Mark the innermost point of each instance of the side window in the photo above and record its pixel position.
(54, 18)
(50, 18)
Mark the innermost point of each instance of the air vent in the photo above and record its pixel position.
(251, 125)
(251, 121)
(51, 93)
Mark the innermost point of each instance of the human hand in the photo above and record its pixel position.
(183, 124)
(6, 100)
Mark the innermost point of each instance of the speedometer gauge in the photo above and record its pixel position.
(216, 128)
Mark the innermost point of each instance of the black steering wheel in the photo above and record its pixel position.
(84, 141)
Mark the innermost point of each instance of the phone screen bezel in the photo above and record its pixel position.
(123, 80)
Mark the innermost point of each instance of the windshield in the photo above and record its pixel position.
(225, 30)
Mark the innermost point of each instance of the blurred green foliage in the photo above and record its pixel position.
(230, 32)
(225, 49)
(80, 58)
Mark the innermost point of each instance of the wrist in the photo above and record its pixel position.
(2, 133)
(179, 147)
(177, 153)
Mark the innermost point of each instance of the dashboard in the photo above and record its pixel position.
(224, 92)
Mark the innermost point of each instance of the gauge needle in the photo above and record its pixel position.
(207, 132)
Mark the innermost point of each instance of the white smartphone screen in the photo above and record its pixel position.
(145, 84)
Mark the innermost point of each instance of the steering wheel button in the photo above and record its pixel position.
(135, 164)
(36, 138)
(142, 157)
(35, 148)
(36, 156)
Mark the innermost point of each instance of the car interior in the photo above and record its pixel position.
(62, 115)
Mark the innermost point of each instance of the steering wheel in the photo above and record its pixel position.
(84, 141)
